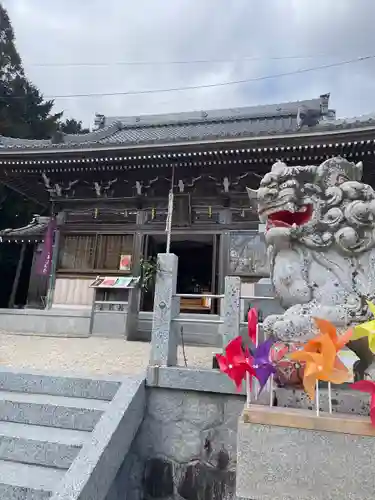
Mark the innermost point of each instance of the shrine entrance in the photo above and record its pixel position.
(198, 268)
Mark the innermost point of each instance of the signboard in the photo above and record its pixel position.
(111, 282)
(248, 254)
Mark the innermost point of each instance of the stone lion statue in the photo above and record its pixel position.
(320, 235)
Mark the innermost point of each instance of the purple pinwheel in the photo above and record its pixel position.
(262, 364)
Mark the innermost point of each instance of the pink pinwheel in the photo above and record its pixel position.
(262, 364)
(236, 362)
(367, 386)
(252, 324)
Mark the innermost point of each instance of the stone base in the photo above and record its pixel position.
(344, 401)
(289, 454)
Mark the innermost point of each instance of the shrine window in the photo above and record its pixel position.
(96, 252)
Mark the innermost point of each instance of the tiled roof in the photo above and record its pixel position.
(257, 121)
(34, 231)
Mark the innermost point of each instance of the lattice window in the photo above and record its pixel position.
(77, 252)
(94, 252)
(110, 248)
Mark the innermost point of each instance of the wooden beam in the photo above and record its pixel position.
(12, 297)
(307, 419)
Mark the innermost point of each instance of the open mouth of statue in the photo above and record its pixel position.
(285, 218)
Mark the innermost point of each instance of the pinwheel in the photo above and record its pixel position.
(367, 386)
(366, 329)
(236, 362)
(319, 354)
(339, 341)
(326, 327)
(252, 325)
(264, 368)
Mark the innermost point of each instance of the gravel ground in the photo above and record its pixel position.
(94, 355)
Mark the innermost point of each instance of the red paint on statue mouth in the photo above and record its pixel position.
(285, 218)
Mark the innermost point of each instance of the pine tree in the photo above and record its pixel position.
(23, 111)
(72, 126)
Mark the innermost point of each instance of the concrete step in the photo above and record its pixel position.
(27, 482)
(34, 444)
(51, 411)
(77, 387)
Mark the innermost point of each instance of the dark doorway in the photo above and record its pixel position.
(197, 269)
(13, 257)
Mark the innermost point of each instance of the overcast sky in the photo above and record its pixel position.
(115, 31)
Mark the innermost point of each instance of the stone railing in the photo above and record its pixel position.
(165, 335)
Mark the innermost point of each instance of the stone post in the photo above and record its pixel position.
(164, 335)
(230, 328)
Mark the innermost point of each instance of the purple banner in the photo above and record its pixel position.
(45, 257)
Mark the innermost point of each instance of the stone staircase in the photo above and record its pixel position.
(45, 421)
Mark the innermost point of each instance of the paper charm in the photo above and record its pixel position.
(319, 354)
(264, 367)
(367, 386)
(252, 325)
(236, 362)
(366, 329)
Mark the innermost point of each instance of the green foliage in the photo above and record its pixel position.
(72, 126)
(23, 111)
(149, 268)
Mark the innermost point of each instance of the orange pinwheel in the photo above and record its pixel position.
(326, 327)
(321, 363)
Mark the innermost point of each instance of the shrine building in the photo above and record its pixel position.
(108, 192)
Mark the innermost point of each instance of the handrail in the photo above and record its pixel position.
(198, 320)
(198, 296)
(253, 297)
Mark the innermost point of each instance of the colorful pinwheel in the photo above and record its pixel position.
(366, 329)
(236, 362)
(326, 327)
(262, 364)
(319, 354)
(252, 325)
(367, 386)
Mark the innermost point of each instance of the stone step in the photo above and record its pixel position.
(34, 444)
(51, 411)
(27, 482)
(79, 387)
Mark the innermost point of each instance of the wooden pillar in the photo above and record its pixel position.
(52, 276)
(17, 276)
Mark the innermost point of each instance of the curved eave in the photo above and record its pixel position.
(22, 239)
(259, 142)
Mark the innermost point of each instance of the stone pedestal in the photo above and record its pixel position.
(164, 337)
(343, 400)
(230, 328)
(289, 454)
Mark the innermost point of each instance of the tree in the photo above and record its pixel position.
(72, 126)
(23, 111)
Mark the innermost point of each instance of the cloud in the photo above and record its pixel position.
(93, 31)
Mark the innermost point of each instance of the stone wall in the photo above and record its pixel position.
(184, 449)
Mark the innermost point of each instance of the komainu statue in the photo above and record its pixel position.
(320, 234)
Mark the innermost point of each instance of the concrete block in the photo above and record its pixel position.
(190, 379)
(34, 444)
(58, 385)
(284, 461)
(93, 471)
(343, 401)
(50, 411)
(21, 481)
